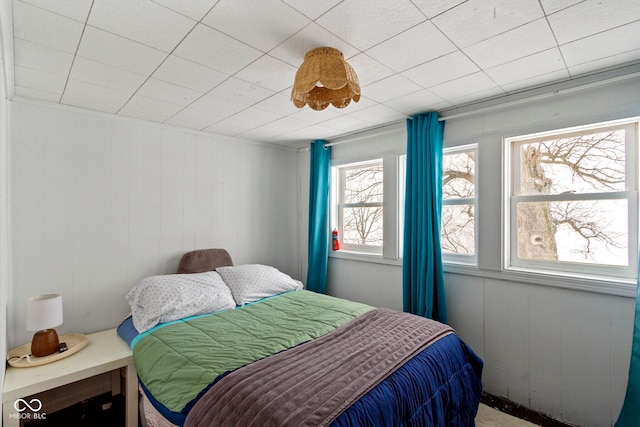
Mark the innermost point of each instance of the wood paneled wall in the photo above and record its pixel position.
(99, 202)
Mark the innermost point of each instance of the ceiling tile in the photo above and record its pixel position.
(248, 119)
(264, 34)
(45, 28)
(40, 80)
(188, 74)
(607, 63)
(90, 71)
(608, 43)
(312, 9)
(279, 103)
(206, 46)
(167, 92)
(194, 9)
(218, 108)
(240, 92)
(569, 24)
(293, 49)
(526, 68)
(467, 98)
(74, 9)
(28, 92)
(346, 123)
(119, 52)
(378, 114)
(536, 81)
(365, 24)
(269, 73)
(191, 119)
(140, 107)
(525, 40)
(477, 20)
(402, 52)
(93, 97)
(368, 69)
(140, 21)
(433, 8)
(389, 88)
(303, 136)
(552, 6)
(43, 58)
(466, 86)
(416, 102)
(440, 70)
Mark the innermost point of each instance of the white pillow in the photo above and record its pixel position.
(251, 282)
(159, 299)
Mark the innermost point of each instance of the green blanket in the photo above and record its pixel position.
(177, 361)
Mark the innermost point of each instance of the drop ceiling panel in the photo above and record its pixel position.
(365, 24)
(188, 74)
(592, 17)
(228, 65)
(119, 52)
(280, 78)
(90, 71)
(602, 45)
(194, 9)
(520, 70)
(444, 69)
(38, 57)
(213, 49)
(77, 10)
(255, 30)
(312, 9)
(167, 92)
(478, 20)
(401, 52)
(45, 28)
(530, 38)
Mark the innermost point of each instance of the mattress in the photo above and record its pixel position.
(179, 362)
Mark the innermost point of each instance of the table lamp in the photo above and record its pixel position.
(43, 314)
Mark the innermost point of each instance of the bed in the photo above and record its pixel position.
(246, 345)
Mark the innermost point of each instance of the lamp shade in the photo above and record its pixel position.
(44, 312)
(325, 78)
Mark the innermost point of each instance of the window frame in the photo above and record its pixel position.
(392, 185)
(512, 197)
(464, 259)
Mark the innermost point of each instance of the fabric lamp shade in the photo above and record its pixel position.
(44, 312)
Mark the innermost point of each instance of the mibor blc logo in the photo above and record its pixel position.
(28, 410)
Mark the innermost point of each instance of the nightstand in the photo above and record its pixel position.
(105, 354)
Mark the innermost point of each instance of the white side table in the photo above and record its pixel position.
(106, 352)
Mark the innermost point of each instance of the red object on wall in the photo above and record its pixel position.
(335, 242)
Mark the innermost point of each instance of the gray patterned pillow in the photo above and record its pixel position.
(251, 282)
(159, 299)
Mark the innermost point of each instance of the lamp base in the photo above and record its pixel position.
(44, 343)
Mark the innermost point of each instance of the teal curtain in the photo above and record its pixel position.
(422, 270)
(319, 179)
(630, 414)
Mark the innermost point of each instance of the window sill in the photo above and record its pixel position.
(364, 257)
(596, 284)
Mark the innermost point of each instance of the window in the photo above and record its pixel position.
(573, 200)
(360, 206)
(458, 230)
(366, 202)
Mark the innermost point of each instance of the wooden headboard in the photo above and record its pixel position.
(202, 260)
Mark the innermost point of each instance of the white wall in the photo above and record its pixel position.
(561, 351)
(4, 222)
(99, 202)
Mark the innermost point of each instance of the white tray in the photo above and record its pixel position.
(21, 357)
